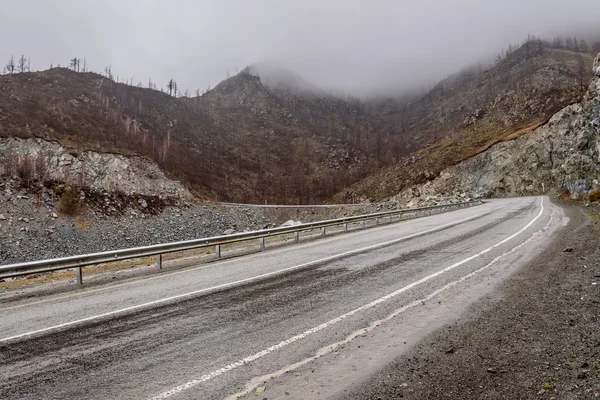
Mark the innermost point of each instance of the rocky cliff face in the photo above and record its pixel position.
(563, 154)
(42, 161)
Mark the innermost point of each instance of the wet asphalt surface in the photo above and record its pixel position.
(150, 350)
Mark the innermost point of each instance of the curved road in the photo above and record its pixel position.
(225, 328)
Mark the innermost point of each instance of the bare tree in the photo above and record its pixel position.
(510, 50)
(28, 64)
(10, 66)
(583, 46)
(557, 42)
(22, 66)
(569, 43)
(150, 83)
(108, 71)
(74, 64)
(171, 85)
(84, 65)
(499, 57)
(581, 72)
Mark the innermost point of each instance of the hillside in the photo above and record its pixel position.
(467, 113)
(561, 156)
(238, 142)
(268, 136)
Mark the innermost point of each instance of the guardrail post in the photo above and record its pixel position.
(78, 274)
(323, 231)
(363, 224)
(159, 261)
(218, 250)
(345, 226)
(262, 243)
(376, 221)
(297, 236)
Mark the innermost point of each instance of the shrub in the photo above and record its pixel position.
(69, 201)
(25, 168)
(594, 195)
(40, 166)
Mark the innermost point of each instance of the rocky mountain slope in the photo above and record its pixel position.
(262, 136)
(466, 114)
(562, 155)
(239, 142)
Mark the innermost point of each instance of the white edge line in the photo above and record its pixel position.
(327, 324)
(236, 283)
(331, 347)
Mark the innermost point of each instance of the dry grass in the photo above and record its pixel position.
(69, 203)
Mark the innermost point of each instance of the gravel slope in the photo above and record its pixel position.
(32, 228)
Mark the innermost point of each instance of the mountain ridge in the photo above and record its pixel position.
(244, 141)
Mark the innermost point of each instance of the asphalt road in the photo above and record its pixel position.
(218, 329)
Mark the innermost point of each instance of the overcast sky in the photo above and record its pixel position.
(355, 45)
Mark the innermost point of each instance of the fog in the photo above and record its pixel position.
(361, 47)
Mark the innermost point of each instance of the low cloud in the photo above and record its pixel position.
(356, 46)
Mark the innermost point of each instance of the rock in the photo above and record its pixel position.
(229, 232)
(143, 203)
(291, 222)
(54, 215)
(568, 250)
(2, 217)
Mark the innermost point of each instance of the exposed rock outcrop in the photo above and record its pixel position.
(104, 172)
(563, 154)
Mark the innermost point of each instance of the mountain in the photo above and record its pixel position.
(467, 113)
(239, 142)
(267, 135)
(561, 156)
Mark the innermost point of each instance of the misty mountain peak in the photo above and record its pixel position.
(279, 78)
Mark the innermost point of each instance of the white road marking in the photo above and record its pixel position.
(236, 283)
(329, 323)
(332, 347)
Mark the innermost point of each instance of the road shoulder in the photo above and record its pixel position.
(536, 337)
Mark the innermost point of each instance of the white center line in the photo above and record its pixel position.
(236, 283)
(327, 324)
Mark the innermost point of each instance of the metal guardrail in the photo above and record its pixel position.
(79, 261)
(296, 206)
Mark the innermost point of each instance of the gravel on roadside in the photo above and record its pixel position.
(535, 337)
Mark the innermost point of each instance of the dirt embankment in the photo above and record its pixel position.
(537, 337)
